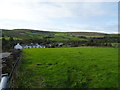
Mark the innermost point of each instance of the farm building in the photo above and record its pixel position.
(18, 46)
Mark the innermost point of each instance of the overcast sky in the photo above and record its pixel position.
(60, 15)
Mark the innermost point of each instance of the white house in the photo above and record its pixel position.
(29, 46)
(43, 46)
(37, 46)
(34, 46)
(18, 46)
(24, 46)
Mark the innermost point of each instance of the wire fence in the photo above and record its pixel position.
(7, 80)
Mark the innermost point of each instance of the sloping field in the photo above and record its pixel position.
(54, 36)
(81, 67)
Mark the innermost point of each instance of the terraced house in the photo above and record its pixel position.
(18, 46)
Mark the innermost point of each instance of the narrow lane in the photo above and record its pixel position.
(3, 55)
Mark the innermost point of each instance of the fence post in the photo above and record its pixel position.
(4, 81)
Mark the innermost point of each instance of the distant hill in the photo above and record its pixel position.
(53, 39)
(55, 36)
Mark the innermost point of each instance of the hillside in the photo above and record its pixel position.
(54, 39)
(55, 36)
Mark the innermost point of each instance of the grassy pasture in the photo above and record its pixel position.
(56, 36)
(80, 67)
(67, 38)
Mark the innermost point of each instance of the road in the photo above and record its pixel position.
(2, 55)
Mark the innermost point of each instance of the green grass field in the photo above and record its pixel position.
(7, 38)
(80, 67)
